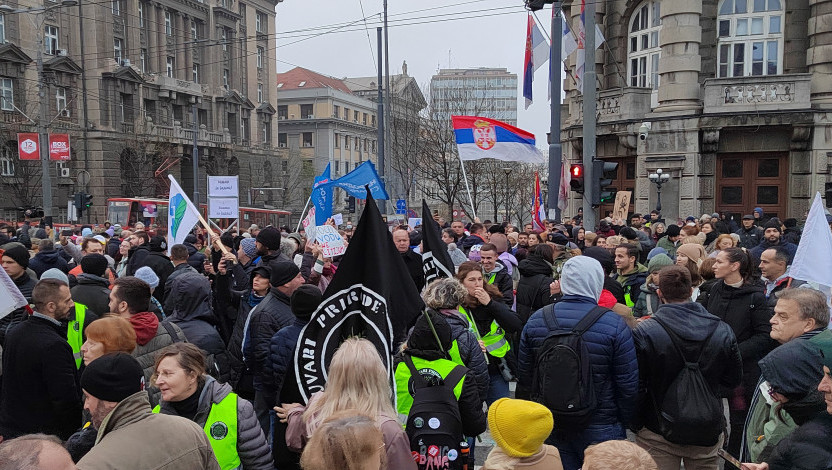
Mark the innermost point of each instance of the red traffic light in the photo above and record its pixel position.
(577, 171)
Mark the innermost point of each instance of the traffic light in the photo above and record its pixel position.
(87, 200)
(828, 195)
(603, 175)
(79, 203)
(534, 5)
(351, 204)
(576, 172)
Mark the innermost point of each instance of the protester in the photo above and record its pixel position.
(496, 273)
(648, 300)
(347, 440)
(411, 260)
(130, 436)
(535, 287)
(671, 240)
(108, 334)
(750, 234)
(159, 262)
(620, 455)
(229, 421)
(34, 452)
(519, 429)
(93, 289)
(681, 332)
(773, 237)
(40, 383)
(47, 257)
(179, 258)
(247, 299)
(147, 275)
(15, 260)
(139, 249)
(607, 261)
(268, 241)
(774, 263)
(76, 323)
(322, 269)
(631, 273)
(196, 259)
(722, 242)
(357, 380)
(121, 265)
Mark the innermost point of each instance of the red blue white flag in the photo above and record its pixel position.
(528, 63)
(538, 209)
(480, 137)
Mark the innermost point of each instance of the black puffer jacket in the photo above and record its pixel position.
(193, 315)
(136, 257)
(270, 316)
(746, 311)
(94, 292)
(533, 288)
(469, 350)
(46, 260)
(807, 448)
(163, 267)
(659, 362)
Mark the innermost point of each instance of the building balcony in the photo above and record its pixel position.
(177, 133)
(618, 104)
(758, 93)
(168, 86)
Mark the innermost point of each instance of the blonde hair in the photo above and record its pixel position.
(693, 239)
(498, 460)
(621, 455)
(357, 380)
(614, 241)
(345, 441)
(589, 237)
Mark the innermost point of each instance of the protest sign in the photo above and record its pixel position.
(332, 243)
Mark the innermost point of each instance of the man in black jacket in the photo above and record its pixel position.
(15, 261)
(159, 263)
(750, 234)
(268, 243)
(138, 251)
(679, 327)
(93, 289)
(179, 259)
(412, 261)
(40, 392)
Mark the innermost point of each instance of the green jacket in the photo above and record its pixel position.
(669, 246)
(766, 427)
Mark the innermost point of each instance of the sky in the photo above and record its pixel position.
(428, 34)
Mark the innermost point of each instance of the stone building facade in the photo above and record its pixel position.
(737, 95)
(149, 64)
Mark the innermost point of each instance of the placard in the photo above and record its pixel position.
(414, 222)
(309, 224)
(223, 186)
(223, 208)
(622, 205)
(27, 146)
(332, 244)
(59, 147)
(338, 219)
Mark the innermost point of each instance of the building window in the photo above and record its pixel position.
(365, 119)
(644, 50)
(261, 52)
(60, 102)
(282, 111)
(355, 116)
(121, 114)
(6, 164)
(267, 132)
(337, 166)
(373, 120)
(245, 127)
(169, 67)
(225, 78)
(2, 29)
(337, 141)
(193, 30)
(306, 111)
(750, 38)
(117, 48)
(259, 22)
(224, 39)
(282, 139)
(143, 60)
(346, 114)
(336, 111)
(50, 39)
(116, 7)
(259, 92)
(168, 24)
(6, 94)
(346, 142)
(307, 139)
(195, 73)
(141, 14)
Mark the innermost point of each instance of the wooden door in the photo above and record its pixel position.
(746, 181)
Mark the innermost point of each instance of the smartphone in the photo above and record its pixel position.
(66, 233)
(729, 458)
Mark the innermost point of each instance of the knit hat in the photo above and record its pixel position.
(603, 256)
(305, 299)
(773, 223)
(296, 237)
(146, 274)
(113, 377)
(694, 251)
(55, 273)
(519, 427)
(94, 264)
(86, 232)
(673, 230)
(658, 262)
(629, 233)
(270, 238)
(249, 247)
(558, 239)
(19, 254)
(759, 210)
(158, 244)
(282, 272)
(655, 251)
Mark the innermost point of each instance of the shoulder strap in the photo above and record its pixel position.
(418, 380)
(674, 337)
(455, 376)
(171, 331)
(591, 317)
(550, 318)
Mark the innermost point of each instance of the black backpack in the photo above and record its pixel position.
(690, 413)
(434, 425)
(563, 378)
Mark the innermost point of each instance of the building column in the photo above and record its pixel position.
(161, 40)
(680, 62)
(819, 55)
(186, 49)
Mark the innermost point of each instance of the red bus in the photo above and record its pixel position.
(129, 210)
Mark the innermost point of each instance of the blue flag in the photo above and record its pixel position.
(365, 175)
(322, 197)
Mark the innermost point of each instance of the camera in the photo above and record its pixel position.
(644, 130)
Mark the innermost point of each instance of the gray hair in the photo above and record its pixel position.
(810, 303)
(288, 247)
(444, 293)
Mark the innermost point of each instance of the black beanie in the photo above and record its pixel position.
(158, 244)
(270, 238)
(282, 272)
(305, 300)
(629, 233)
(113, 377)
(773, 223)
(673, 230)
(94, 264)
(603, 256)
(19, 254)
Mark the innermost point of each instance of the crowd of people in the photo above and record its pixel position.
(636, 344)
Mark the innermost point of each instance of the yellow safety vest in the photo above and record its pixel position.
(221, 429)
(404, 400)
(495, 340)
(75, 333)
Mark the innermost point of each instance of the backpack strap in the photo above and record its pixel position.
(418, 380)
(457, 374)
(550, 318)
(589, 319)
(171, 331)
(674, 337)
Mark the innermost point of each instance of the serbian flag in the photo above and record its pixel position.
(479, 137)
(538, 209)
(528, 64)
(580, 63)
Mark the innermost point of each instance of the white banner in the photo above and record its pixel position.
(223, 207)
(223, 187)
(332, 244)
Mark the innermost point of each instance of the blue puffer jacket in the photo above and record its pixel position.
(613, 355)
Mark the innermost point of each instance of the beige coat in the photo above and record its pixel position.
(133, 438)
(548, 458)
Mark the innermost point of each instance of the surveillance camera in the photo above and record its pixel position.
(644, 130)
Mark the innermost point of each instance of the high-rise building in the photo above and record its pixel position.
(486, 92)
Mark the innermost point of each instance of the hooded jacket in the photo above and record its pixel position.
(132, 437)
(533, 289)
(502, 281)
(183, 269)
(659, 361)
(92, 291)
(151, 336)
(45, 260)
(252, 448)
(193, 314)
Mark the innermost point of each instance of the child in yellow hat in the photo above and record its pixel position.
(519, 428)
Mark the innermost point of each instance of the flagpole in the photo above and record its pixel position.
(308, 200)
(465, 178)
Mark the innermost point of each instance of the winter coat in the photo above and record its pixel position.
(610, 345)
(195, 259)
(413, 263)
(163, 267)
(132, 437)
(92, 291)
(669, 246)
(508, 320)
(648, 301)
(749, 238)
(632, 282)
(40, 390)
(252, 448)
(548, 458)
(192, 313)
(24, 284)
(279, 368)
(147, 346)
(269, 317)
(469, 350)
(659, 361)
(746, 311)
(792, 235)
(502, 281)
(183, 269)
(136, 257)
(807, 448)
(764, 245)
(533, 289)
(783, 284)
(470, 241)
(45, 260)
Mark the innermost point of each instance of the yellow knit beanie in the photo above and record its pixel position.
(519, 427)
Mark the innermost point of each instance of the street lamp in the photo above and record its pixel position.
(43, 136)
(507, 171)
(658, 178)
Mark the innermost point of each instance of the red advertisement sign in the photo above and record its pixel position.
(59, 147)
(28, 146)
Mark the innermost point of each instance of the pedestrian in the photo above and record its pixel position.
(670, 240)
(357, 380)
(247, 299)
(723, 241)
(76, 323)
(774, 264)
(15, 259)
(139, 249)
(146, 274)
(682, 332)
(268, 242)
(618, 454)
(130, 436)
(534, 290)
(158, 261)
(93, 289)
(47, 257)
(750, 234)
(519, 429)
(452, 241)
(194, 315)
(631, 273)
(648, 300)
(347, 440)
(179, 258)
(412, 261)
(773, 237)
(228, 420)
(121, 265)
(496, 273)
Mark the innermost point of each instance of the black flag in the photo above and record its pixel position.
(371, 296)
(436, 262)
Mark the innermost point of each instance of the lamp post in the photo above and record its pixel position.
(658, 178)
(507, 171)
(43, 120)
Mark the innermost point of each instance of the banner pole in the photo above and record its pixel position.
(303, 212)
(468, 189)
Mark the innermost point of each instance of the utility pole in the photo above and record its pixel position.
(43, 135)
(555, 151)
(83, 86)
(589, 113)
(380, 121)
(195, 153)
(387, 118)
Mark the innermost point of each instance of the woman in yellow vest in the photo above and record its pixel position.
(490, 320)
(229, 421)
